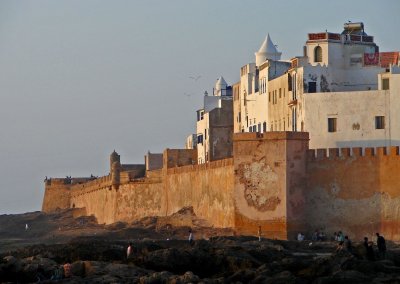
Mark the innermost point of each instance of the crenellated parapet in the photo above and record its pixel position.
(273, 181)
(352, 153)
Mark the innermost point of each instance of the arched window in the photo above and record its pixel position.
(318, 54)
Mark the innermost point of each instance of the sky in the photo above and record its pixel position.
(79, 79)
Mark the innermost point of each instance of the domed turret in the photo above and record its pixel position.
(114, 157)
(220, 87)
(267, 51)
(115, 174)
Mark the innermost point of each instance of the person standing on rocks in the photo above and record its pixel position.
(347, 244)
(191, 238)
(129, 251)
(259, 233)
(381, 243)
(369, 249)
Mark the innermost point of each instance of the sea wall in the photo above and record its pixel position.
(273, 181)
(207, 187)
(57, 195)
(269, 182)
(354, 190)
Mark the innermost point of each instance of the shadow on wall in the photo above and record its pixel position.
(355, 191)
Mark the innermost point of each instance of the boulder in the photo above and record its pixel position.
(78, 268)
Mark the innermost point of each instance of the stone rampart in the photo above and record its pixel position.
(273, 181)
(207, 187)
(56, 195)
(354, 190)
(269, 181)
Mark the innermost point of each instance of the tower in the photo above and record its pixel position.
(114, 157)
(220, 87)
(267, 51)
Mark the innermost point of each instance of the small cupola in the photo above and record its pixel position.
(267, 51)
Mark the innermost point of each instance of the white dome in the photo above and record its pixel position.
(220, 84)
(267, 51)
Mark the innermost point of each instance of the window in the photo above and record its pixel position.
(385, 84)
(332, 123)
(200, 139)
(205, 134)
(259, 127)
(294, 119)
(312, 87)
(379, 122)
(269, 96)
(264, 127)
(318, 54)
(280, 93)
(200, 115)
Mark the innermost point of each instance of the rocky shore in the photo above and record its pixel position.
(161, 254)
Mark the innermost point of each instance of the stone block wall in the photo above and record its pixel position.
(179, 157)
(272, 181)
(355, 191)
(269, 181)
(207, 187)
(56, 195)
(153, 161)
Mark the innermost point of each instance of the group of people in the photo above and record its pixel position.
(344, 243)
(369, 247)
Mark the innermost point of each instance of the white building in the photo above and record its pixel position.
(215, 124)
(331, 92)
(254, 78)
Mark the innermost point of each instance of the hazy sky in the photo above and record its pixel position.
(79, 79)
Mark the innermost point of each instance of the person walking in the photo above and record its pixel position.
(381, 244)
(191, 238)
(129, 250)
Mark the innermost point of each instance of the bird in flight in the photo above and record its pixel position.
(195, 78)
(187, 94)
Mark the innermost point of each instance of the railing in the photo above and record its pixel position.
(338, 37)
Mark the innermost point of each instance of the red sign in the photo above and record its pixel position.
(388, 58)
(371, 59)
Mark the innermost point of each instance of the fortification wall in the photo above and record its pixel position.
(179, 157)
(355, 192)
(206, 187)
(136, 200)
(272, 181)
(56, 195)
(269, 179)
